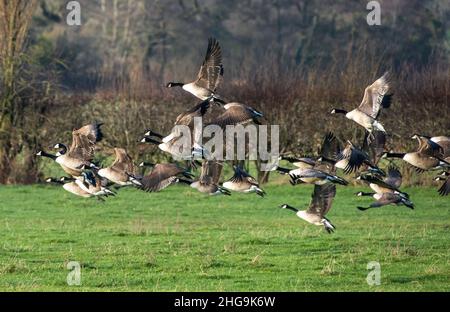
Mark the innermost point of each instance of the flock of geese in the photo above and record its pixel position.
(87, 179)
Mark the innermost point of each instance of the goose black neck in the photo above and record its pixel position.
(45, 154)
(152, 141)
(367, 194)
(175, 84)
(291, 208)
(339, 111)
(395, 155)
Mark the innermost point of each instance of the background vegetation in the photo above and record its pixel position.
(294, 60)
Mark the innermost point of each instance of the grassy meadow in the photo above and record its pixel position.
(181, 240)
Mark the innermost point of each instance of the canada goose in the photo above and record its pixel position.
(172, 147)
(317, 177)
(444, 142)
(81, 152)
(375, 97)
(352, 158)
(91, 183)
(184, 119)
(427, 157)
(323, 171)
(70, 171)
(243, 182)
(209, 179)
(70, 186)
(389, 184)
(209, 76)
(162, 176)
(120, 169)
(322, 199)
(301, 162)
(383, 199)
(444, 190)
(374, 144)
(237, 113)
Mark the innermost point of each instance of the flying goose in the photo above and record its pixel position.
(387, 189)
(70, 186)
(322, 199)
(81, 152)
(237, 113)
(120, 170)
(184, 119)
(375, 97)
(323, 171)
(243, 182)
(299, 162)
(92, 184)
(209, 179)
(375, 146)
(389, 184)
(209, 76)
(444, 190)
(351, 158)
(383, 199)
(444, 142)
(70, 171)
(427, 157)
(162, 176)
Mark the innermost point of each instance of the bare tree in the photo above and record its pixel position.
(15, 17)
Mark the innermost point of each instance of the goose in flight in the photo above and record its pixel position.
(70, 186)
(323, 171)
(389, 184)
(162, 176)
(375, 98)
(384, 199)
(91, 183)
(172, 143)
(322, 199)
(69, 171)
(209, 179)
(444, 190)
(387, 189)
(237, 114)
(120, 170)
(243, 182)
(81, 151)
(351, 158)
(429, 155)
(209, 76)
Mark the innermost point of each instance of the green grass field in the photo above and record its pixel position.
(181, 240)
